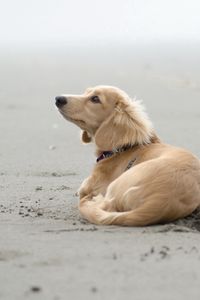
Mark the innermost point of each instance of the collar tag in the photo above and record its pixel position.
(130, 164)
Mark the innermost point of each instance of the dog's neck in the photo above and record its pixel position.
(102, 154)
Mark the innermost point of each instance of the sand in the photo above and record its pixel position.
(47, 251)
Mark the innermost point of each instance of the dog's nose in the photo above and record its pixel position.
(60, 101)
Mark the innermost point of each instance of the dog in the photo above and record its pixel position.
(137, 180)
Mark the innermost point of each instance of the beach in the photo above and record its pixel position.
(47, 251)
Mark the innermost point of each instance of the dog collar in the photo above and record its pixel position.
(106, 154)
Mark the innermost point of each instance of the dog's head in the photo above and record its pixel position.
(108, 116)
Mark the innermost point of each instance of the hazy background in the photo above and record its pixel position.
(58, 22)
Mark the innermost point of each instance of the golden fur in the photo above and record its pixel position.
(162, 185)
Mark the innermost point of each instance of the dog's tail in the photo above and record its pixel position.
(147, 214)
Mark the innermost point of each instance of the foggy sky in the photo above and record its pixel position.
(43, 21)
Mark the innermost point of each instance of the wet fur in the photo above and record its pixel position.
(162, 186)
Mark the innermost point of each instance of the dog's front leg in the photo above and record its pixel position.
(85, 188)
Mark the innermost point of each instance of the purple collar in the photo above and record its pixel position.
(106, 154)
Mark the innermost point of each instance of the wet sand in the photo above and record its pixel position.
(47, 251)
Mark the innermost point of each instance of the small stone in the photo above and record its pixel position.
(152, 250)
(94, 289)
(114, 256)
(38, 188)
(36, 289)
(39, 213)
(52, 147)
(54, 174)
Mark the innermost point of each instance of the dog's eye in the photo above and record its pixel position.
(95, 99)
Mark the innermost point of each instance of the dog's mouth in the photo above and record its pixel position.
(78, 122)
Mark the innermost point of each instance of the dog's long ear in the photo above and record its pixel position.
(85, 137)
(127, 125)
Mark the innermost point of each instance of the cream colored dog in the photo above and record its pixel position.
(137, 179)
